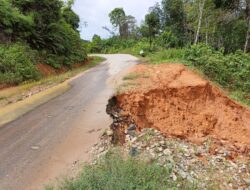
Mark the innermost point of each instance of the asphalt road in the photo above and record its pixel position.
(50, 140)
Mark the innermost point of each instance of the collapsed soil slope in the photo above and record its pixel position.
(180, 103)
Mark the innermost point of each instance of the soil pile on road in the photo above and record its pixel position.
(180, 103)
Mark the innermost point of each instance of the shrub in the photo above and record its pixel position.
(17, 64)
(142, 45)
(231, 70)
(167, 40)
(116, 173)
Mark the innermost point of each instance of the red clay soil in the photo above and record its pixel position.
(47, 70)
(181, 104)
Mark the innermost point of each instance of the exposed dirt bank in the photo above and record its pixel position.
(181, 104)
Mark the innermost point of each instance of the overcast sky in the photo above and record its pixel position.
(95, 13)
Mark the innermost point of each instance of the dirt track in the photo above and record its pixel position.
(50, 140)
(181, 104)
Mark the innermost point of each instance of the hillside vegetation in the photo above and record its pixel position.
(36, 31)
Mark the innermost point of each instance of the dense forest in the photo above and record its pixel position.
(35, 31)
(211, 36)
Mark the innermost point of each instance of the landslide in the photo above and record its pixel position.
(180, 103)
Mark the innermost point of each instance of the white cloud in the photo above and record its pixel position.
(95, 13)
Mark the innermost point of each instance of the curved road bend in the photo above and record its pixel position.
(46, 142)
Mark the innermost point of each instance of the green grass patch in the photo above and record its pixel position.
(126, 86)
(133, 76)
(167, 56)
(118, 172)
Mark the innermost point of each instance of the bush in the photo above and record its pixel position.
(231, 70)
(142, 45)
(167, 40)
(17, 64)
(116, 173)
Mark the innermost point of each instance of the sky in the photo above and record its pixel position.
(95, 13)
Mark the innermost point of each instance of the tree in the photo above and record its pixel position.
(13, 24)
(174, 19)
(246, 46)
(118, 19)
(174, 15)
(131, 23)
(125, 23)
(158, 10)
(70, 16)
(96, 44)
(201, 8)
(153, 23)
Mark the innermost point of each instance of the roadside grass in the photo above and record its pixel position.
(117, 172)
(16, 92)
(167, 56)
(124, 87)
(134, 76)
(241, 97)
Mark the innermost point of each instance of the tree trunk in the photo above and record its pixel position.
(201, 8)
(247, 38)
(206, 31)
(248, 25)
(120, 30)
(150, 37)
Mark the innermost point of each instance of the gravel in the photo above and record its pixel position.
(186, 160)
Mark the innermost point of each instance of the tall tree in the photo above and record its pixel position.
(173, 15)
(201, 9)
(246, 46)
(131, 24)
(70, 16)
(118, 19)
(153, 23)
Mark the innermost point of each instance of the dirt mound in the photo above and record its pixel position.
(180, 103)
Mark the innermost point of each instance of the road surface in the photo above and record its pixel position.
(48, 141)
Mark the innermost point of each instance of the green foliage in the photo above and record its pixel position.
(70, 16)
(110, 45)
(117, 17)
(125, 23)
(96, 45)
(231, 71)
(235, 39)
(142, 45)
(47, 26)
(168, 55)
(13, 24)
(168, 40)
(17, 64)
(116, 173)
(173, 15)
(153, 23)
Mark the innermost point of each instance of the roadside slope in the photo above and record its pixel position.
(27, 97)
(181, 104)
